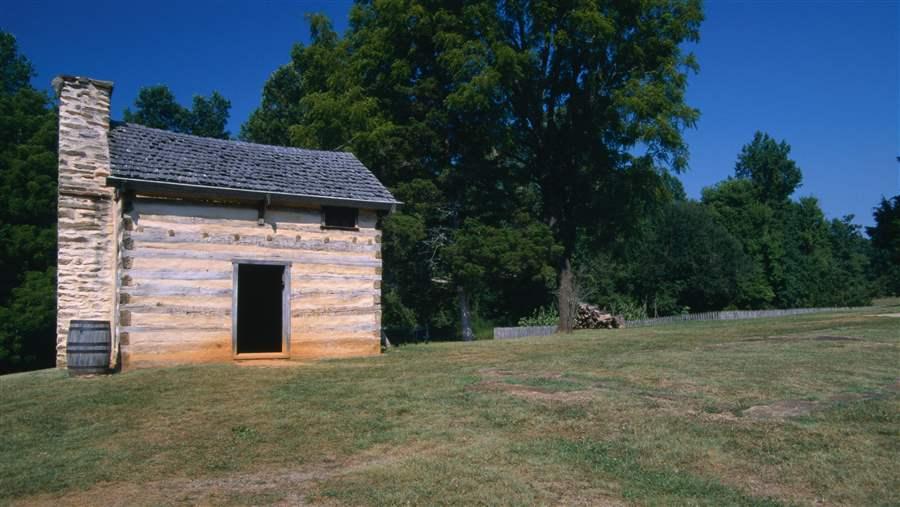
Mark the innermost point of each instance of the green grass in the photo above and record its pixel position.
(651, 416)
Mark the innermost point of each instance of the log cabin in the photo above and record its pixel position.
(207, 250)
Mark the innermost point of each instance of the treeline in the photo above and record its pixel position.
(744, 245)
(534, 146)
(27, 216)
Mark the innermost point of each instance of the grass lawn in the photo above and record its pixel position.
(796, 410)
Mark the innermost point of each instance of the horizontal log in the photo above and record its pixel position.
(226, 266)
(153, 338)
(168, 309)
(153, 289)
(318, 302)
(247, 251)
(221, 302)
(310, 231)
(332, 260)
(176, 321)
(190, 274)
(178, 274)
(138, 358)
(271, 240)
(233, 213)
(189, 310)
(172, 331)
(336, 310)
(183, 211)
(348, 293)
(301, 327)
(219, 288)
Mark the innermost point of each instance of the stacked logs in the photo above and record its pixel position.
(592, 317)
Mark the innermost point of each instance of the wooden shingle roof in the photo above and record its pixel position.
(143, 154)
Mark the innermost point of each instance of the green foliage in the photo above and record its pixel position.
(737, 248)
(627, 309)
(27, 216)
(734, 205)
(679, 258)
(766, 163)
(886, 245)
(590, 95)
(689, 260)
(156, 107)
(522, 134)
(542, 316)
(28, 323)
(852, 283)
(515, 263)
(518, 150)
(15, 70)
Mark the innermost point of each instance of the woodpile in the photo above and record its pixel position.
(592, 317)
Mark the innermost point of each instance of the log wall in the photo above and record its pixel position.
(175, 280)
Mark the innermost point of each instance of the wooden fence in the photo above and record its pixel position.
(505, 333)
(728, 315)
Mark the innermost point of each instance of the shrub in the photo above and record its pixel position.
(543, 316)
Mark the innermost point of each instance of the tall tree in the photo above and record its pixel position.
(886, 244)
(767, 164)
(592, 91)
(851, 283)
(397, 92)
(688, 262)
(27, 216)
(156, 107)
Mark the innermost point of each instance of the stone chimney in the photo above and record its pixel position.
(85, 287)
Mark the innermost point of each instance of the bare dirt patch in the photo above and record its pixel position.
(895, 315)
(786, 339)
(796, 408)
(837, 339)
(283, 486)
(781, 409)
(501, 381)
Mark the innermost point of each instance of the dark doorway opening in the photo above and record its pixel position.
(260, 307)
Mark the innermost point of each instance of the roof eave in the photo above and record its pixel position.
(187, 190)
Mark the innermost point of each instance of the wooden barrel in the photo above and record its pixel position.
(88, 347)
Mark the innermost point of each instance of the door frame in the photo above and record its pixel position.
(285, 310)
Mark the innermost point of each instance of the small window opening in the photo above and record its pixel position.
(259, 308)
(339, 217)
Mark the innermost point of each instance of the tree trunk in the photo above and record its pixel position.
(465, 316)
(567, 297)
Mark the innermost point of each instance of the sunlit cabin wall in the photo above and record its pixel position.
(175, 295)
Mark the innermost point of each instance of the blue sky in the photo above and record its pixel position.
(821, 75)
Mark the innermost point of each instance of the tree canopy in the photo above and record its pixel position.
(767, 164)
(886, 244)
(533, 140)
(27, 216)
(155, 107)
(508, 109)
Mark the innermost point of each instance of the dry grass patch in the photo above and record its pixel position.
(690, 413)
